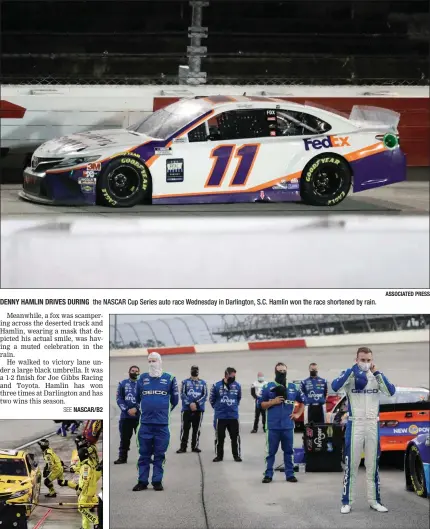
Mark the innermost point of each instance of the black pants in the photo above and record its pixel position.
(315, 413)
(194, 419)
(126, 429)
(232, 425)
(258, 412)
(100, 513)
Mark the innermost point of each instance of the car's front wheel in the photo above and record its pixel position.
(416, 471)
(125, 182)
(326, 180)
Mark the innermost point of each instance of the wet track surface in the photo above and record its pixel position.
(402, 198)
(200, 494)
(15, 434)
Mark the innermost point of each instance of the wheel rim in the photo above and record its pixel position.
(123, 182)
(327, 182)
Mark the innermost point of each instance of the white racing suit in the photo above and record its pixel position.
(362, 430)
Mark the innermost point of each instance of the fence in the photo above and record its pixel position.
(144, 331)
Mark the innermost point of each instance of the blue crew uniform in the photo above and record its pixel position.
(192, 391)
(126, 400)
(314, 390)
(279, 426)
(225, 399)
(156, 397)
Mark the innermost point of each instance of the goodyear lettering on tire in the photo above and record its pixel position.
(142, 169)
(337, 199)
(108, 197)
(315, 165)
(419, 491)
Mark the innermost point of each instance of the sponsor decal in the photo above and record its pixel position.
(365, 390)
(9, 110)
(313, 395)
(193, 394)
(108, 197)
(162, 151)
(86, 180)
(126, 153)
(346, 477)
(309, 432)
(327, 142)
(337, 199)
(94, 166)
(329, 447)
(154, 392)
(184, 139)
(413, 429)
(228, 401)
(130, 398)
(319, 439)
(175, 170)
(88, 189)
(315, 166)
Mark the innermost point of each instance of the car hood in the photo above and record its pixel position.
(91, 142)
(12, 484)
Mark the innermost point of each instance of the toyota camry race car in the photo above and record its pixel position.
(222, 149)
(417, 465)
(20, 479)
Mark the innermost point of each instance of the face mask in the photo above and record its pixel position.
(133, 376)
(230, 379)
(194, 372)
(364, 366)
(281, 378)
(155, 368)
(313, 373)
(260, 379)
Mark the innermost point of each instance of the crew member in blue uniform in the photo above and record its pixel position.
(279, 398)
(314, 389)
(194, 393)
(225, 398)
(129, 418)
(157, 396)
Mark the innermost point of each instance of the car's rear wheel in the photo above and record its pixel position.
(326, 180)
(416, 470)
(125, 182)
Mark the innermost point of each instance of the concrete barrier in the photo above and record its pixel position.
(339, 340)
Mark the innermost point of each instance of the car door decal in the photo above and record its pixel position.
(222, 156)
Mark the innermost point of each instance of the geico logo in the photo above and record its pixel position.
(365, 391)
(327, 142)
(346, 477)
(154, 392)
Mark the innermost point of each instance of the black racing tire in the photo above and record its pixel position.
(326, 180)
(124, 183)
(416, 470)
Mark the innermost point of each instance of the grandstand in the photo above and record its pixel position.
(248, 41)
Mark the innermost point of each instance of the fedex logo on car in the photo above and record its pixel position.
(327, 142)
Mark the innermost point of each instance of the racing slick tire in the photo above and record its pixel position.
(416, 472)
(124, 183)
(326, 180)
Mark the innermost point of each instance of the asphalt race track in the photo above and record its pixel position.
(200, 494)
(409, 197)
(15, 434)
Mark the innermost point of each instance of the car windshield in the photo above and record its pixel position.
(166, 121)
(12, 467)
(409, 396)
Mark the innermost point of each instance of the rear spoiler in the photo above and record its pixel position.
(365, 116)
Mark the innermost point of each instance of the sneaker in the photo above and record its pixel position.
(197, 450)
(238, 459)
(140, 486)
(345, 509)
(181, 451)
(378, 507)
(120, 461)
(51, 495)
(266, 479)
(254, 431)
(292, 479)
(217, 459)
(158, 485)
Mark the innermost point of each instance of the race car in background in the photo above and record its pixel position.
(20, 479)
(417, 465)
(222, 149)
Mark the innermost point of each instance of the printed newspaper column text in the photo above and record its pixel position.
(51, 359)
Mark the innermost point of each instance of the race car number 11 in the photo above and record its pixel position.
(223, 156)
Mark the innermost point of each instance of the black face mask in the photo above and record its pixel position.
(230, 380)
(133, 376)
(194, 372)
(313, 373)
(281, 378)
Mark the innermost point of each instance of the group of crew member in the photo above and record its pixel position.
(88, 466)
(146, 401)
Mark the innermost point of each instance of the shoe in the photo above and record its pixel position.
(266, 479)
(140, 486)
(158, 485)
(181, 451)
(345, 509)
(292, 479)
(238, 459)
(197, 450)
(254, 431)
(378, 507)
(51, 495)
(217, 459)
(120, 461)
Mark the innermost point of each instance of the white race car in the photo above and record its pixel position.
(222, 149)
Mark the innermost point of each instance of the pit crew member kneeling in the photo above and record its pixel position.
(363, 384)
(279, 399)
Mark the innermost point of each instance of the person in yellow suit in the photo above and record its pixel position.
(87, 500)
(54, 469)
